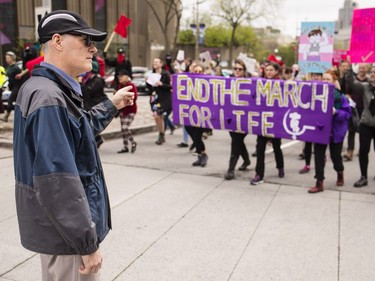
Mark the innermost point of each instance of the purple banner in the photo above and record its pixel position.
(298, 110)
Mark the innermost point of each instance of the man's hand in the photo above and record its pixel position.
(91, 263)
(123, 98)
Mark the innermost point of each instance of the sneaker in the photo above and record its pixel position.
(301, 156)
(172, 130)
(281, 173)
(124, 150)
(361, 182)
(244, 165)
(229, 175)
(204, 160)
(304, 170)
(198, 162)
(257, 180)
(182, 145)
(134, 147)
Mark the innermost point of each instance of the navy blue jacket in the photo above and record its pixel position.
(61, 195)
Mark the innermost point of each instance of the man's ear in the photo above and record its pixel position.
(56, 40)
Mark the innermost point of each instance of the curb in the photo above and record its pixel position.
(134, 131)
(8, 143)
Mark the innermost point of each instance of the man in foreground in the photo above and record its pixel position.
(61, 196)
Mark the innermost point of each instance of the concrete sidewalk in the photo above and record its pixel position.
(172, 221)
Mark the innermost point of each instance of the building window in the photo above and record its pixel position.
(100, 15)
(58, 5)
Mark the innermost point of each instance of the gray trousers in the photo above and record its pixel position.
(64, 268)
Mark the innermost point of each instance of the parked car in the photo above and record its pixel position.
(139, 78)
(5, 93)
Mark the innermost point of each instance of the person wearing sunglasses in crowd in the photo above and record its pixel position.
(61, 197)
(238, 147)
(272, 71)
(196, 133)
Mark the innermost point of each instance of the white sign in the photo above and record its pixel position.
(153, 78)
(40, 12)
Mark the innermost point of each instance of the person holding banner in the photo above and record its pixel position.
(196, 133)
(238, 146)
(366, 128)
(341, 114)
(271, 71)
(307, 150)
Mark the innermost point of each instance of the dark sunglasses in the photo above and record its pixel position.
(237, 68)
(87, 39)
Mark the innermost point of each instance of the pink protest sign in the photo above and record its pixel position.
(339, 55)
(362, 43)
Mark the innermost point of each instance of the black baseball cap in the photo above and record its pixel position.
(66, 22)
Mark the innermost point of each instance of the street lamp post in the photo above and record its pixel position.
(197, 2)
(197, 30)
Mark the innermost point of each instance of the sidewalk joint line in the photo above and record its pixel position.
(254, 232)
(165, 232)
(21, 263)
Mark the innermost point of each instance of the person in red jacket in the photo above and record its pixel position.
(127, 114)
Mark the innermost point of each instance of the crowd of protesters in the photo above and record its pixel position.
(353, 112)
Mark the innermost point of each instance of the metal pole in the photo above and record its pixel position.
(197, 31)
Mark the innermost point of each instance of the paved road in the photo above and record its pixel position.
(172, 221)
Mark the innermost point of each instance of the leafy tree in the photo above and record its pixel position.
(216, 36)
(186, 37)
(172, 9)
(237, 12)
(288, 54)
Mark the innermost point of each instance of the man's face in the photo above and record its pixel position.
(362, 69)
(9, 59)
(372, 75)
(79, 51)
(344, 66)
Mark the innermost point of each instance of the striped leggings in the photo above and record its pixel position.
(125, 124)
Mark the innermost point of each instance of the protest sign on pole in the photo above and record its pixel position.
(316, 47)
(298, 110)
(362, 42)
(120, 29)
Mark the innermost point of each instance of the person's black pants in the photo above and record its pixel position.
(307, 151)
(351, 133)
(12, 98)
(196, 135)
(366, 135)
(238, 148)
(261, 150)
(320, 154)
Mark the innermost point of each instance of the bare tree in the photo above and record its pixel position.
(237, 12)
(172, 9)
